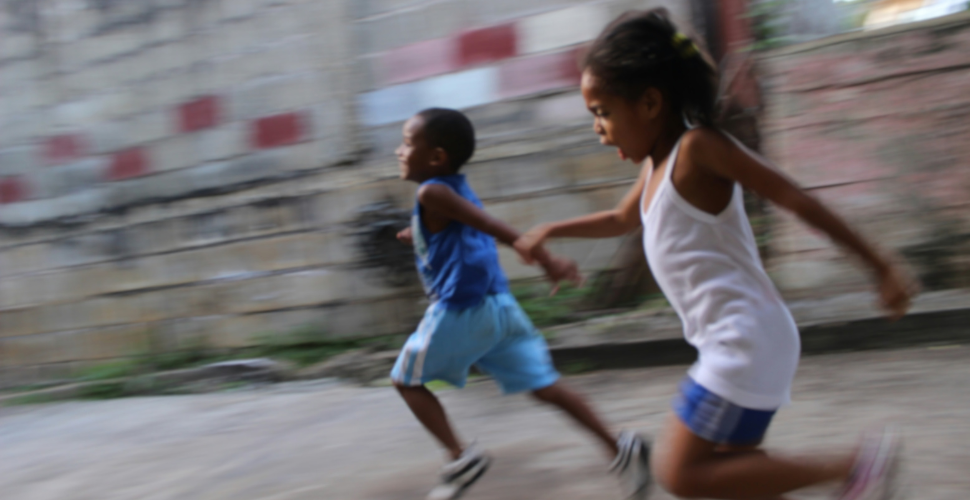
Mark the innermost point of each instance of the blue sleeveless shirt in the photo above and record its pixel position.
(459, 265)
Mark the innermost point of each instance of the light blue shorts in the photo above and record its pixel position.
(718, 420)
(496, 336)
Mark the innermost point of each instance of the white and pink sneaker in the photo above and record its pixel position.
(874, 475)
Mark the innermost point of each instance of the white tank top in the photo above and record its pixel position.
(709, 268)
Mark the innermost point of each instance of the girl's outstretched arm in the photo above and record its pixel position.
(725, 157)
(606, 224)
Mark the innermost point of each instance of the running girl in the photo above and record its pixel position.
(652, 94)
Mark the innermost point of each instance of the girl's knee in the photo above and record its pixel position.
(676, 478)
(678, 482)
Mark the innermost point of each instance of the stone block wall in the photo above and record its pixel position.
(113, 104)
(875, 124)
(184, 171)
(134, 138)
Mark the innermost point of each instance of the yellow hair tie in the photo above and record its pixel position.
(684, 45)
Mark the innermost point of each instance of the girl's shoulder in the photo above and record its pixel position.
(701, 137)
(704, 144)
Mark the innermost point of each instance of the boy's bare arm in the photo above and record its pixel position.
(444, 201)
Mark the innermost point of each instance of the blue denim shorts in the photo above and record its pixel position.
(495, 336)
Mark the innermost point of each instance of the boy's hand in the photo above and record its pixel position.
(404, 236)
(528, 242)
(561, 269)
(896, 289)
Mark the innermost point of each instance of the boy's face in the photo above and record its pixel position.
(416, 158)
(629, 126)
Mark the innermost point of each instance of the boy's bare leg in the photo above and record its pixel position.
(573, 404)
(428, 410)
(691, 467)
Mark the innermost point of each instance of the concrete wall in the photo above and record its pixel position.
(132, 135)
(111, 104)
(875, 124)
(181, 170)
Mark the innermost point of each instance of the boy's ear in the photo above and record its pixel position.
(439, 157)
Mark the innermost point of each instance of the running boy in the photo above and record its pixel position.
(473, 319)
(652, 94)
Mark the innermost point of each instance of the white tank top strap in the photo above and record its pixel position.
(671, 159)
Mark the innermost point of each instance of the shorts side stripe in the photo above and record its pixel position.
(427, 332)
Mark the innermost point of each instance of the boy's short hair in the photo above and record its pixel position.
(452, 131)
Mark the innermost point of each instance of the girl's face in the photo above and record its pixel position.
(631, 126)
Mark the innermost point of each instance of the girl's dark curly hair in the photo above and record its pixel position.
(643, 49)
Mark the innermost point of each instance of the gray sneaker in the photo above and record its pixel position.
(874, 476)
(632, 465)
(459, 475)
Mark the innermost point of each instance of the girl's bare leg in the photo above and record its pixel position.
(690, 467)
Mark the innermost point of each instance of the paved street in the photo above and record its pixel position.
(325, 440)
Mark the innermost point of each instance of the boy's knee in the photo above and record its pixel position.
(402, 388)
(547, 394)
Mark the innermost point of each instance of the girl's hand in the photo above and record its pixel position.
(527, 243)
(404, 236)
(896, 289)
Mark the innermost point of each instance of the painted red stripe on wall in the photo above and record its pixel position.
(199, 114)
(127, 164)
(277, 130)
(417, 61)
(63, 148)
(12, 189)
(487, 45)
(530, 75)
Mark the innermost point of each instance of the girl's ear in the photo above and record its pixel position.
(651, 103)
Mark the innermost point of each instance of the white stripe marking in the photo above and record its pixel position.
(428, 332)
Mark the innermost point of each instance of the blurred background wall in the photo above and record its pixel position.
(184, 171)
(223, 170)
(876, 125)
